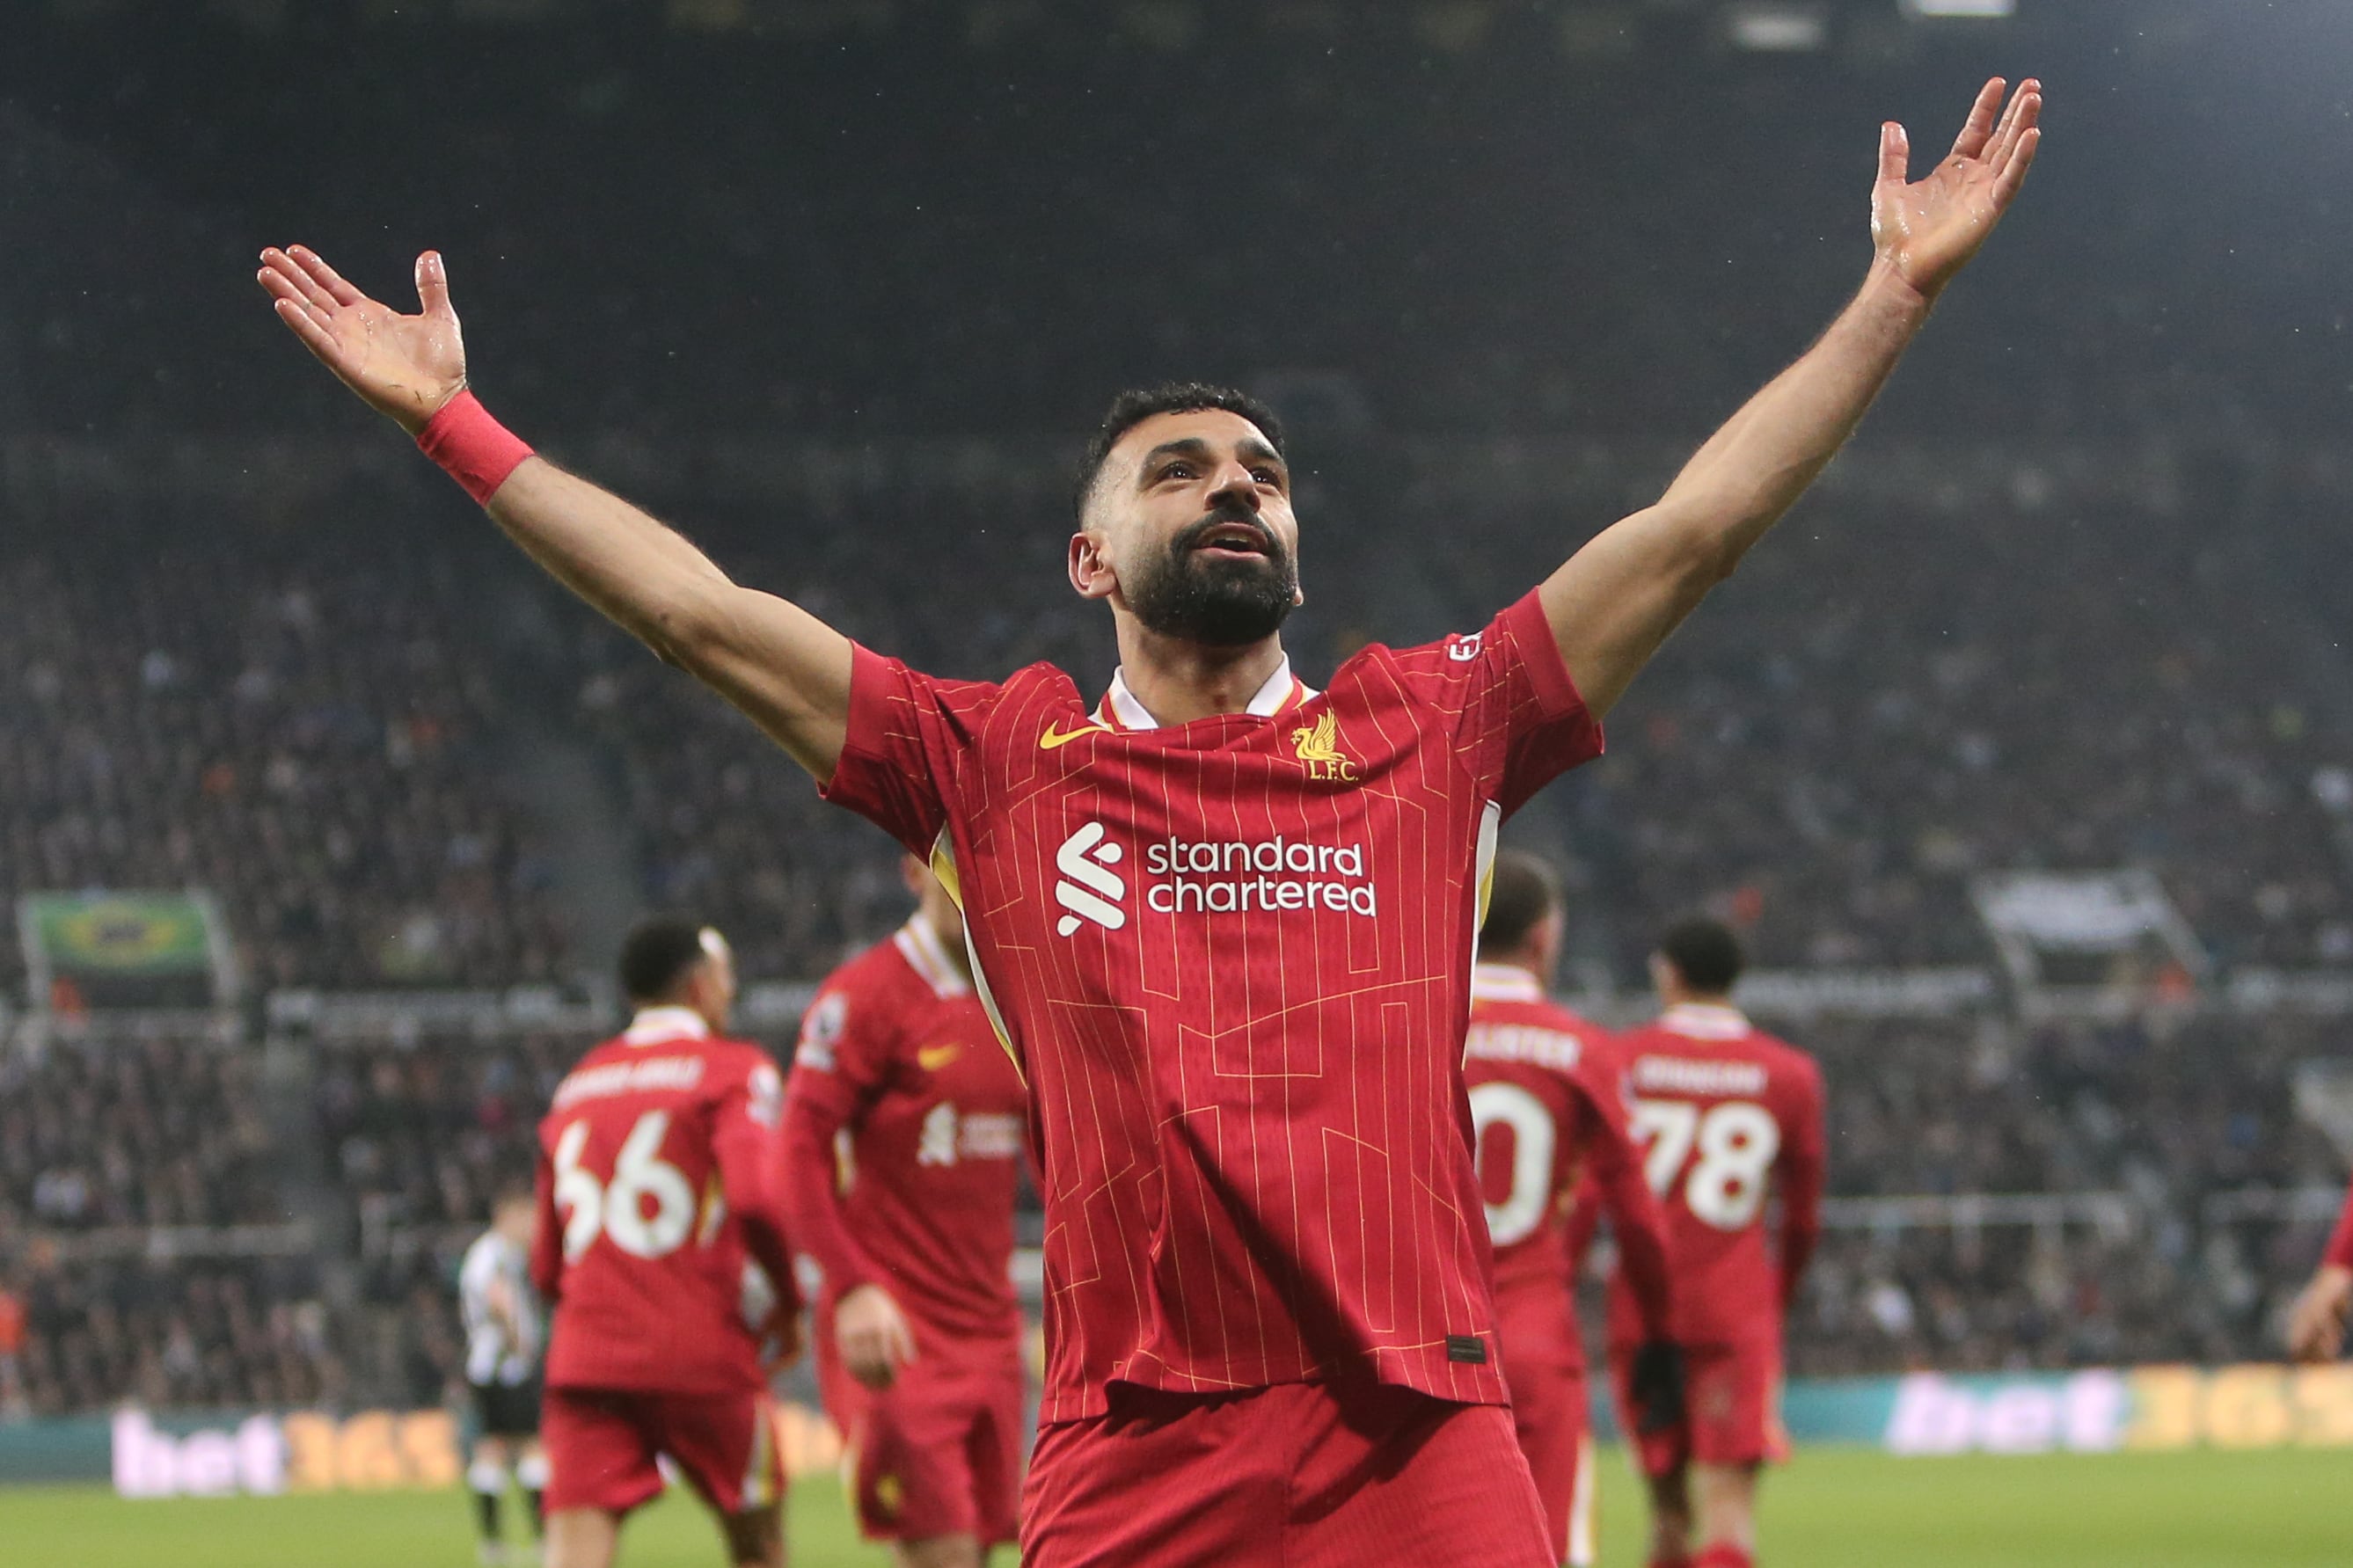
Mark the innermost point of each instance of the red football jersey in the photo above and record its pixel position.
(1233, 959)
(897, 1059)
(1548, 1110)
(656, 1181)
(1726, 1115)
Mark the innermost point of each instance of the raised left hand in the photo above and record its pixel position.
(1924, 231)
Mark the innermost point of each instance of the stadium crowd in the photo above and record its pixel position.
(300, 730)
(206, 1333)
(138, 1133)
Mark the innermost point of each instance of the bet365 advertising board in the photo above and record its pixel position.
(2098, 1411)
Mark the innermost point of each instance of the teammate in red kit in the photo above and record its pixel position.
(1223, 922)
(918, 1334)
(2315, 1325)
(1548, 1112)
(1728, 1117)
(657, 1184)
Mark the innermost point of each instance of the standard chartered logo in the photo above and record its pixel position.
(1211, 877)
(1090, 888)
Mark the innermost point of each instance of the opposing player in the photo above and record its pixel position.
(2315, 1325)
(1225, 921)
(656, 1183)
(918, 1332)
(1548, 1112)
(505, 1335)
(1730, 1120)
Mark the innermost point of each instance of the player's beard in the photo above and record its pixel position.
(1215, 601)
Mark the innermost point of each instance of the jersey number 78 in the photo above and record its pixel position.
(1719, 1153)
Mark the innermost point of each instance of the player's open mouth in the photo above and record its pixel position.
(1234, 539)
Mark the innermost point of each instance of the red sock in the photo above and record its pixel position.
(1723, 1554)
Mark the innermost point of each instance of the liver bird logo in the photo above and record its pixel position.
(1318, 749)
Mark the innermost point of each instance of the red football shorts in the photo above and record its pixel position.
(1294, 1476)
(1732, 1408)
(939, 1452)
(602, 1446)
(1545, 1366)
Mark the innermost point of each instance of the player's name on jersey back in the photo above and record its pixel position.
(1683, 1075)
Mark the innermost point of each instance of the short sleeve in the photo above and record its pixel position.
(908, 737)
(843, 1057)
(1519, 720)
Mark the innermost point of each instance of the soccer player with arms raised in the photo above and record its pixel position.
(918, 1332)
(657, 1169)
(1728, 1117)
(1549, 1115)
(1225, 922)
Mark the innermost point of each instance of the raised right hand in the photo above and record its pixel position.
(873, 1335)
(403, 367)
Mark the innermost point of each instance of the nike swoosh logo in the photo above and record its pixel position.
(1055, 736)
(932, 1059)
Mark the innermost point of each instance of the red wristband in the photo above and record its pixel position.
(472, 449)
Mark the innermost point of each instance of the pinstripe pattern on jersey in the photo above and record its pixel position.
(1249, 1120)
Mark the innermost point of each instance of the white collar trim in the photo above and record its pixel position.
(1503, 982)
(1705, 1021)
(668, 1022)
(1272, 699)
(919, 943)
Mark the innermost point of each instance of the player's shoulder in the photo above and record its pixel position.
(1568, 1020)
(979, 706)
(1786, 1059)
(735, 1056)
(1457, 655)
(865, 991)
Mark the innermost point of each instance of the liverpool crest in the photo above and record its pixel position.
(1318, 748)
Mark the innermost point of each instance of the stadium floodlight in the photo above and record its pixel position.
(1777, 26)
(1987, 10)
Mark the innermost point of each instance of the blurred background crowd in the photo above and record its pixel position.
(2067, 607)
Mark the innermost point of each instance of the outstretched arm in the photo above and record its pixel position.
(782, 667)
(1618, 598)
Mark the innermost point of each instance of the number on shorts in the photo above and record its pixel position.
(1534, 1138)
(617, 1208)
(1735, 1142)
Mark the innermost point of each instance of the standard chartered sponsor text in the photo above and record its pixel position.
(1231, 876)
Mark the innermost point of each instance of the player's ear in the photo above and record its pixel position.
(1091, 570)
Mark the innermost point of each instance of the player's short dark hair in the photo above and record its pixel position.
(1523, 892)
(1704, 952)
(1138, 404)
(657, 954)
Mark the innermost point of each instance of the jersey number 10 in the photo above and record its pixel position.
(1720, 1154)
(618, 1208)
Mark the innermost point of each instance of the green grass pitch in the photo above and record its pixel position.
(1832, 1509)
